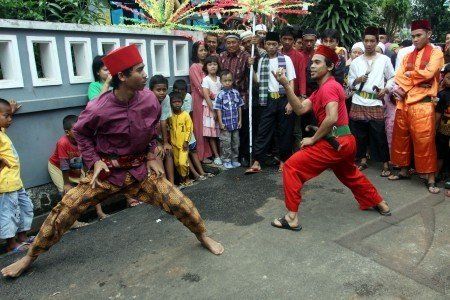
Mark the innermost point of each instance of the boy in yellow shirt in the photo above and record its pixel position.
(180, 127)
(16, 208)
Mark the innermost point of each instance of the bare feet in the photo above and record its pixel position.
(16, 269)
(210, 244)
(101, 216)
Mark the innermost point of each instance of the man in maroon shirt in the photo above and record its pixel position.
(116, 137)
(317, 153)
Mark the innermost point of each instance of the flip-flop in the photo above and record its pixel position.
(209, 175)
(383, 213)
(432, 185)
(362, 166)
(21, 248)
(30, 239)
(399, 176)
(250, 171)
(285, 225)
(385, 173)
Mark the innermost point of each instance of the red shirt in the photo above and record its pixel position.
(330, 91)
(300, 61)
(66, 151)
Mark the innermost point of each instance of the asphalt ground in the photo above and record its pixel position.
(341, 253)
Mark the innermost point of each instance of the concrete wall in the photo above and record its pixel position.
(38, 124)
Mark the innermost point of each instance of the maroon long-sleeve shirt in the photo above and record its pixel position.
(110, 127)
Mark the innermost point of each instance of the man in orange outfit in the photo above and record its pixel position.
(414, 125)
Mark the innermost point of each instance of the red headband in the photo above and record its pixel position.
(328, 53)
(122, 58)
(420, 24)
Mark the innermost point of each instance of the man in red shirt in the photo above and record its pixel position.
(299, 60)
(116, 135)
(317, 152)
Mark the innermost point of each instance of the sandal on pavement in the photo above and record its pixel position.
(399, 176)
(385, 173)
(432, 188)
(381, 212)
(252, 170)
(362, 166)
(285, 225)
(21, 248)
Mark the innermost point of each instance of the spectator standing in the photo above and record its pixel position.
(196, 75)
(102, 78)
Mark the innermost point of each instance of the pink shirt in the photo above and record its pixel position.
(110, 127)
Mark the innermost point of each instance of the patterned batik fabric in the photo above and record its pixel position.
(153, 190)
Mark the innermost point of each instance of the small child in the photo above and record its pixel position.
(159, 86)
(443, 128)
(195, 166)
(211, 87)
(16, 208)
(65, 166)
(228, 106)
(180, 126)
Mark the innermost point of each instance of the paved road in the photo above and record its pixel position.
(342, 253)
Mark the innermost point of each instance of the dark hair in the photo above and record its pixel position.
(115, 81)
(287, 31)
(5, 102)
(406, 43)
(97, 64)
(330, 33)
(211, 59)
(225, 72)
(69, 121)
(328, 63)
(211, 34)
(175, 96)
(194, 54)
(180, 84)
(158, 79)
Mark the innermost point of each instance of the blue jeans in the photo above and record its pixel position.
(16, 213)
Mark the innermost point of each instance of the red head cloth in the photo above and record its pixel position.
(420, 24)
(328, 53)
(122, 58)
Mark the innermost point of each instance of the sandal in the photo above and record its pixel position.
(385, 173)
(252, 170)
(200, 178)
(285, 225)
(209, 175)
(399, 176)
(21, 248)
(362, 166)
(381, 212)
(134, 203)
(432, 188)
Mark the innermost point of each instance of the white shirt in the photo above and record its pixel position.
(381, 73)
(274, 86)
(213, 86)
(401, 54)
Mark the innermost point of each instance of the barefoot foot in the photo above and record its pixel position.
(16, 269)
(210, 244)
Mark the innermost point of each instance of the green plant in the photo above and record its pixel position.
(349, 17)
(64, 11)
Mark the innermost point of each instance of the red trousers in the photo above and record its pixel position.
(313, 160)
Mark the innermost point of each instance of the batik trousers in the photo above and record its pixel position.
(153, 190)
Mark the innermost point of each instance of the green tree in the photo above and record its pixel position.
(437, 13)
(349, 17)
(394, 15)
